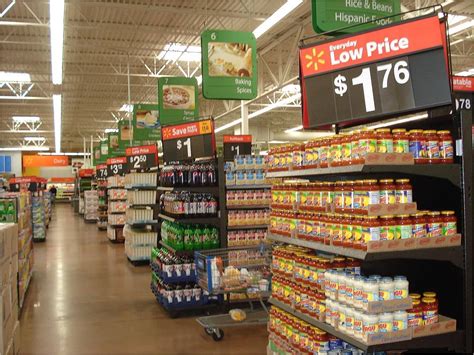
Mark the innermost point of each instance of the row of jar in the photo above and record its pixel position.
(344, 196)
(355, 231)
(426, 146)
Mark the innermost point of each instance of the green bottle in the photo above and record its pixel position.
(215, 242)
(198, 237)
(180, 238)
(188, 238)
(206, 238)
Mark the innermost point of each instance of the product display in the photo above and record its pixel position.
(91, 200)
(188, 236)
(38, 216)
(197, 174)
(189, 204)
(142, 179)
(246, 237)
(116, 198)
(245, 170)
(248, 198)
(102, 206)
(248, 218)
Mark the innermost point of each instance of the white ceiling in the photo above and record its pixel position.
(106, 38)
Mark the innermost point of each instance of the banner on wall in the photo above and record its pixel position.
(38, 161)
(229, 65)
(145, 124)
(332, 15)
(177, 100)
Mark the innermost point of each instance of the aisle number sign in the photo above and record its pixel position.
(177, 100)
(145, 124)
(379, 73)
(332, 15)
(463, 92)
(229, 65)
(188, 141)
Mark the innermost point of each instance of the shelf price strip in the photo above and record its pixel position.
(142, 157)
(116, 166)
(380, 73)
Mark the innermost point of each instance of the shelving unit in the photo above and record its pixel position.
(115, 221)
(102, 204)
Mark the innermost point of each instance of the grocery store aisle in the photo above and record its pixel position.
(85, 298)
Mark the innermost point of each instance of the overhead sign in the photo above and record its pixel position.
(113, 144)
(97, 157)
(463, 92)
(229, 65)
(142, 157)
(188, 141)
(104, 150)
(116, 166)
(145, 124)
(237, 145)
(379, 73)
(177, 100)
(332, 15)
(38, 161)
(101, 171)
(86, 172)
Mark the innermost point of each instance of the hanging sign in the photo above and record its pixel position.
(380, 73)
(142, 157)
(463, 92)
(86, 172)
(97, 156)
(229, 65)
(37, 161)
(331, 15)
(116, 166)
(145, 124)
(188, 141)
(237, 145)
(177, 99)
(104, 150)
(101, 171)
(113, 144)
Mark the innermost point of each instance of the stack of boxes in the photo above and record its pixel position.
(10, 335)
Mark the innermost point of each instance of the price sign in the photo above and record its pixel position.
(379, 73)
(142, 157)
(101, 171)
(237, 145)
(188, 141)
(463, 92)
(116, 166)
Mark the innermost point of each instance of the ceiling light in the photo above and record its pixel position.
(446, 3)
(399, 121)
(56, 18)
(26, 119)
(35, 139)
(454, 19)
(460, 27)
(185, 53)
(126, 108)
(57, 122)
(111, 130)
(294, 129)
(10, 77)
(278, 142)
(24, 149)
(276, 17)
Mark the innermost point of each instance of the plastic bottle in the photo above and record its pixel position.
(370, 291)
(358, 323)
(370, 325)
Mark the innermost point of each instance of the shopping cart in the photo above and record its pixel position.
(241, 271)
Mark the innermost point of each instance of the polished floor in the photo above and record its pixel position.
(85, 298)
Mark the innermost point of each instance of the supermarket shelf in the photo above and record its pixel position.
(453, 254)
(140, 187)
(116, 225)
(249, 187)
(439, 341)
(195, 220)
(173, 250)
(451, 172)
(213, 189)
(117, 199)
(143, 205)
(258, 226)
(116, 212)
(22, 300)
(143, 224)
(248, 207)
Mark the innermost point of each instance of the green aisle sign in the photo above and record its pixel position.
(330, 15)
(96, 156)
(177, 100)
(113, 144)
(145, 124)
(104, 150)
(229, 65)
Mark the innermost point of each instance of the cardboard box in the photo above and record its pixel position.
(6, 303)
(445, 325)
(7, 332)
(5, 273)
(413, 243)
(389, 159)
(16, 338)
(389, 306)
(383, 209)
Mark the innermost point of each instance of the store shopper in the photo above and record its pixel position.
(53, 192)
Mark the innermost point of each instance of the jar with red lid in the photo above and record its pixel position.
(403, 227)
(301, 226)
(323, 153)
(430, 310)
(387, 227)
(331, 227)
(419, 225)
(357, 232)
(327, 197)
(346, 149)
(403, 191)
(417, 146)
(323, 227)
(357, 196)
(337, 229)
(446, 150)
(335, 153)
(371, 193)
(432, 147)
(367, 144)
(308, 157)
(298, 156)
(316, 192)
(401, 143)
(355, 148)
(338, 263)
(415, 314)
(339, 196)
(449, 223)
(348, 195)
(347, 226)
(433, 224)
(384, 140)
(370, 229)
(387, 191)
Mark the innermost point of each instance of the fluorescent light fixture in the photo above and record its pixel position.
(276, 17)
(461, 27)
(173, 51)
(294, 129)
(278, 142)
(228, 125)
(11, 77)
(26, 119)
(24, 149)
(126, 108)
(454, 19)
(9, 6)
(34, 139)
(199, 79)
(56, 19)
(57, 122)
(263, 152)
(399, 121)
(73, 154)
(111, 130)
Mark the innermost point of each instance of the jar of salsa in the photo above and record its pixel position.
(415, 314)
(400, 141)
(348, 196)
(403, 191)
(430, 310)
(384, 140)
(417, 146)
(433, 224)
(419, 225)
(323, 153)
(446, 150)
(335, 153)
(387, 191)
(403, 227)
(337, 229)
(346, 149)
(432, 147)
(371, 193)
(308, 158)
(297, 156)
(387, 227)
(347, 226)
(339, 187)
(370, 229)
(355, 148)
(357, 232)
(449, 223)
(367, 143)
(357, 196)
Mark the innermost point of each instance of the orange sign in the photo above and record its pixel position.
(187, 130)
(463, 83)
(38, 161)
